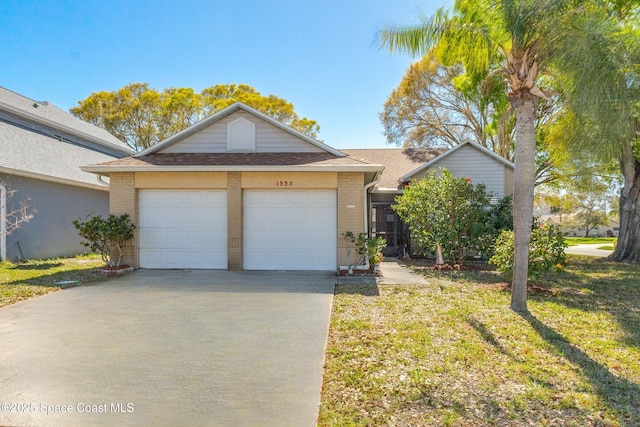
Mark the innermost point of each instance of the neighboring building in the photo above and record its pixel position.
(41, 151)
(573, 230)
(240, 191)
(403, 165)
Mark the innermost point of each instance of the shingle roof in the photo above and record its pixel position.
(234, 159)
(29, 153)
(397, 162)
(51, 115)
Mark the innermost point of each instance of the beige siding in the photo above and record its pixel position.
(269, 139)
(472, 163)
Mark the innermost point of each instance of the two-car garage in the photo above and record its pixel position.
(282, 229)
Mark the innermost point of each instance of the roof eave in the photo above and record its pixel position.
(54, 179)
(105, 170)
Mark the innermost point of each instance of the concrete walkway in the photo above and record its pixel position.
(392, 272)
(169, 348)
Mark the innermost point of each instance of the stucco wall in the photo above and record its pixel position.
(51, 232)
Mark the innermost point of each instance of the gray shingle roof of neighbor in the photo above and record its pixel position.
(50, 115)
(41, 141)
(31, 154)
(397, 162)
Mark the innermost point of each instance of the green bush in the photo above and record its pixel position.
(453, 212)
(546, 251)
(102, 235)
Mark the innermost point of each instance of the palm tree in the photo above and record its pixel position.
(515, 38)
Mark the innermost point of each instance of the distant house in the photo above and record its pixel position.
(403, 165)
(573, 230)
(41, 150)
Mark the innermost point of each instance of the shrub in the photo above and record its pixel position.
(368, 248)
(546, 251)
(102, 235)
(453, 212)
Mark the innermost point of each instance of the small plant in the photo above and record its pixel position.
(546, 251)
(103, 235)
(368, 248)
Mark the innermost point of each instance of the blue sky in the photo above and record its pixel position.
(317, 55)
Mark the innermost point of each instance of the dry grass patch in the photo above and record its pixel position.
(451, 353)
(20, 281)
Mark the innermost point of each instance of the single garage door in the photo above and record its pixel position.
(290, 229)
(183, 229)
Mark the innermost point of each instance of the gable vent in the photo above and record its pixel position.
(241, 135)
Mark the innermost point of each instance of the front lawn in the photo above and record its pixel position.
(573, 241)
(452, 353)
(20, 281)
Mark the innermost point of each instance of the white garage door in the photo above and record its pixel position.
(290, 229)
(183, 229)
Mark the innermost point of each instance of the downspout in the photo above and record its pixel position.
(376, 180)
(3, 223)
(100, 179)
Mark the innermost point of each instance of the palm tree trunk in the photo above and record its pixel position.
(523, 185)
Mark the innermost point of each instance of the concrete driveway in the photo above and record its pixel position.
(589, 250)
(178, 348)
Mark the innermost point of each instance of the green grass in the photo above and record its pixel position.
(572, 241)
(607, 248)
(20, 281)
(452, 353)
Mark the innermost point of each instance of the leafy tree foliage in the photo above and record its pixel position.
(519, 40)
(453, 212)
(436, 106)
(141, 115)
(546, 251)
(601, 116)
(104, 235)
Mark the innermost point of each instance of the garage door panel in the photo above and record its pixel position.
(183, 229)
(290, 229)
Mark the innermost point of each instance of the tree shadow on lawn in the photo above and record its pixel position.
(621, 395)
(587, 285)
(611, 287)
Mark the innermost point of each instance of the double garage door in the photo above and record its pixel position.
(282, 229)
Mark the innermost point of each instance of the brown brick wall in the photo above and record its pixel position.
(234, 221)
(123, 198)
(350, 210)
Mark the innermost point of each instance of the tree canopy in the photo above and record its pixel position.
(141, 115)
(520, 41)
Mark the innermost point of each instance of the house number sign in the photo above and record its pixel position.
(284, 183)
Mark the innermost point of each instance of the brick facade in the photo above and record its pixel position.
(123, 198)
(350, 211)
(234, 221)
(350, 206)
